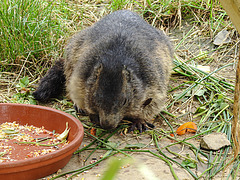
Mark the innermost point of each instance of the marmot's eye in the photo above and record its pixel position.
(147, 102)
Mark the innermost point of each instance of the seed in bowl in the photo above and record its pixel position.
(18, 142)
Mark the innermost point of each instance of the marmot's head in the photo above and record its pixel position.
(110, 94)
(115, 92)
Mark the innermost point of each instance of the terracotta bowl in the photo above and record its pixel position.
(51, 119)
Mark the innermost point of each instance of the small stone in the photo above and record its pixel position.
(222, 38)
(214, 141)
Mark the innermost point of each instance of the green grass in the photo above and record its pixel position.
(34, 32)
(28, 30)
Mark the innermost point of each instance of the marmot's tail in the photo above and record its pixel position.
(52, 84)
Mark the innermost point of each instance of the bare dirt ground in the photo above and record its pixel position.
(156, 168)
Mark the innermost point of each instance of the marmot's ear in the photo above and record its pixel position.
(127, 75)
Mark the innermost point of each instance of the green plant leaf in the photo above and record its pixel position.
(23, 82)
(200, 92)
(99, 131)
(189, 163)
(113, 168)
(10, 131)
(201, 109)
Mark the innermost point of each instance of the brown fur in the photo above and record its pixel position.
(118, 68)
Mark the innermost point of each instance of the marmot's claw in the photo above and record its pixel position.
(80, 111)
(149, 125)
(141, 126)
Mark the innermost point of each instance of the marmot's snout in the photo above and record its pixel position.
(109, 121)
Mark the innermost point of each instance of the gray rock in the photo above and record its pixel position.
(214, 141)
(222, 38)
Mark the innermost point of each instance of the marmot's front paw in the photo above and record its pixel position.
(80, 111)
(140, 125)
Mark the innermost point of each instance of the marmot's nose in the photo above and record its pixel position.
(108, 124)
(109, 120)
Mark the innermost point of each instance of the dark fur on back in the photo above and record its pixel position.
(53, 83)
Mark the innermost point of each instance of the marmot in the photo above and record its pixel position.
(116, 69)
